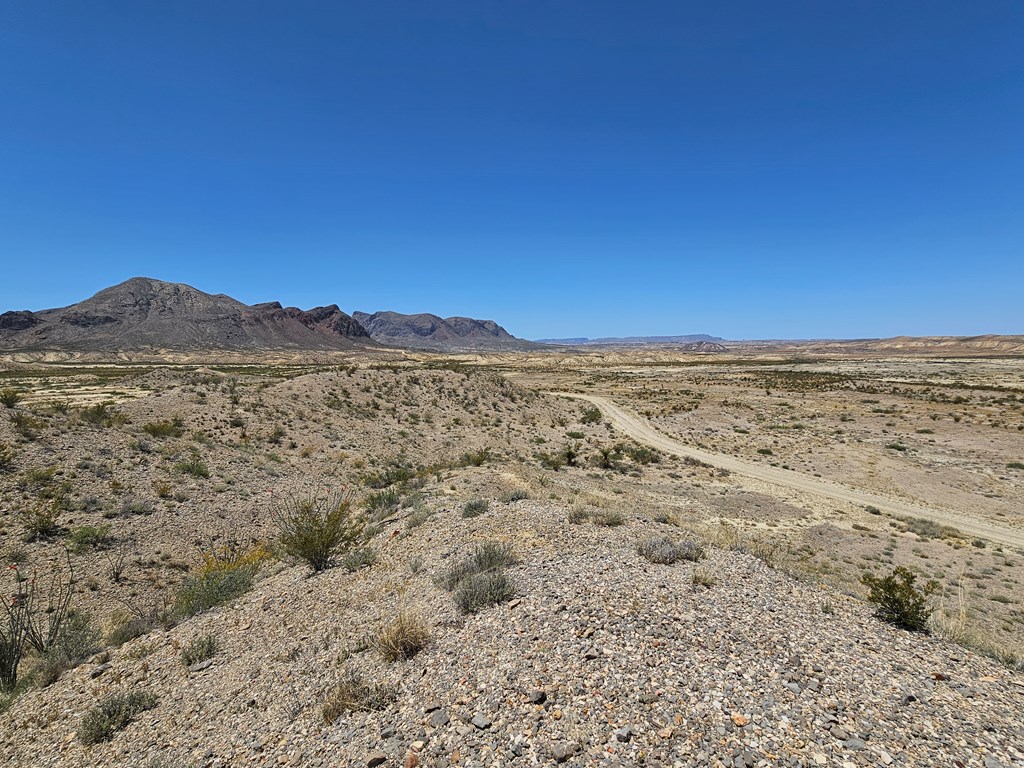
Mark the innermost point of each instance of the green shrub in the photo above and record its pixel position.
(85, 538)
(609, 518)
(578, 514)
(641, 454)
(383, 501)
(101, 415)
(665, 551)
(318, 530)
(896, 447)
(124, 627)
(765, 451)
(7, 455)
(113, 714)
(929, 529)
(517, 494)
(474, 458)
(607, 457)
(591, 415)
(418, 517)
(166, 428)
(200, 649)
(360, 557)
(397, 470)
(9, 397)
(200, 593)
(553, 461)
(1015, 465)
(482, 590)
(193, 465)
(77, 640)
(137, 507)
(26, 425)
(40, 521)
(899, 601)
(474, 508)
(479, 580)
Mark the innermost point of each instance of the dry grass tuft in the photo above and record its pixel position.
(353, 694)
(402, 638)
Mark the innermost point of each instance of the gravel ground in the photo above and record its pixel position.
(601, 658)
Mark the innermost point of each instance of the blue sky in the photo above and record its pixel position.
(568, 168)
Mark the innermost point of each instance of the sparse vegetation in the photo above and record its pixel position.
(403, 637)
(351, 693)
(479, 580)
(113, 714)
(86, 538)
(318, 529)
(8, 454)
(9, 397)
(474, 508)
(609, 518)
(167, 428)
(358, 558)
(200, 649)
(666, 551)
(899, 601)
(193, 465)
(482, 590)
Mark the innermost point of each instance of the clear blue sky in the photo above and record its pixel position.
(747, 169)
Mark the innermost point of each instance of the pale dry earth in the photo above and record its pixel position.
(729, 661)
(642, 431)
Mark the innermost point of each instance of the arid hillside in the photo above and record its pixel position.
(525, 585)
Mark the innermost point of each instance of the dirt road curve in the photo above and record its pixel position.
(643, 431)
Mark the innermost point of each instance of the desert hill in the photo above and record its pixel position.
(142, 313)
(157, 317)
(426, 331)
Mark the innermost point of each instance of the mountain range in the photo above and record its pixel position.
(147, 315)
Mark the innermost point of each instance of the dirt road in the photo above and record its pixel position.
(643, 431)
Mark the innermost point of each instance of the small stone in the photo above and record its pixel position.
(793, 687)
(430, 706)
(438, 719)
(624, 734)
(840, 733)
(99, 670)
(591, 653)
(739, 720)
(201, 665)
(562, 751)
(387, 731)
(855, 743)
(666, 733)
(376, 758)
(480, 722)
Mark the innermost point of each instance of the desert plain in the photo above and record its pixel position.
(791, 474)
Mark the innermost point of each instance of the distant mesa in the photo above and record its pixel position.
(147, 315)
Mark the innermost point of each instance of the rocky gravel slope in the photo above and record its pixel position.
(601, 658)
